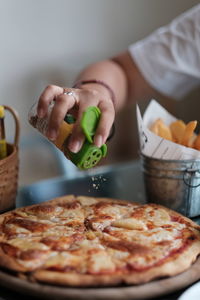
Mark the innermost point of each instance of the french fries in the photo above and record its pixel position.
(161, 129)
(188, 133)
(178, 132)
(196, 144)
(177, 129)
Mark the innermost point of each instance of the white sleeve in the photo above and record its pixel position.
(169, 58)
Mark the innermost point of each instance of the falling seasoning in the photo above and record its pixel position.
(97, 181)
(3, 146)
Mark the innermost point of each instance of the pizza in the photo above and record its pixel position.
(85, 241)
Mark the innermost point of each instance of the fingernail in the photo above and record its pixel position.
(98, 140)
(52, 134)
(40, 113)
(74, 146)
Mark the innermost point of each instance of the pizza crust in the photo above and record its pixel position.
(10, 263)
(171, 268)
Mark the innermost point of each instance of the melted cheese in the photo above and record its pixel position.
(117, 254)
(31, 264)
(72, 214)
(57, 258)
(94, 244)
(114, 210)
(130, 223)
(86, 201)
(159, 216)
(44, 211)
(145, 237)
(21, 213)
(59, 230)
(63, 259)
(17, 229)
(26, 244)
(101, 262)
(101, 224)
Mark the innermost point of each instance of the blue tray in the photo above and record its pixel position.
(122, 181)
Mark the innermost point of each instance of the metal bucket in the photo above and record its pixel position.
(173, 183)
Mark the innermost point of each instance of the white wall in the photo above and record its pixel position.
(49, 41)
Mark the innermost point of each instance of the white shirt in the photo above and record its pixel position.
(169, 58)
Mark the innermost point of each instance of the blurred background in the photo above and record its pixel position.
(49, 41)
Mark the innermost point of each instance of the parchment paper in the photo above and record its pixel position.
(155, 146)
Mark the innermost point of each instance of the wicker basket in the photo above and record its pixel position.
(9, 169)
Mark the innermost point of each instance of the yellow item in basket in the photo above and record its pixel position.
(3, 146)
(177, 132)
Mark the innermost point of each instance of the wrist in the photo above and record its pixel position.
(95, 86)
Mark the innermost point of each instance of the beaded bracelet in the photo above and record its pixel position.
(82, 82)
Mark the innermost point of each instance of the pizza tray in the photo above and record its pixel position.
(145, 291)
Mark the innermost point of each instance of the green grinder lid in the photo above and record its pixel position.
(89, 122)
(89, 155)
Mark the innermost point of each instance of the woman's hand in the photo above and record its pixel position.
(76, 103)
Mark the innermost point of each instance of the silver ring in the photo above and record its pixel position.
(69, 93)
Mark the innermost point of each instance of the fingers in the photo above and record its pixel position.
(77, 138)
(62, 105)
(80, 99)
(107, 117)
(48, 95)
(105, 124)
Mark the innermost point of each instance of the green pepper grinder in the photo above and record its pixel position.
(89, 155)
